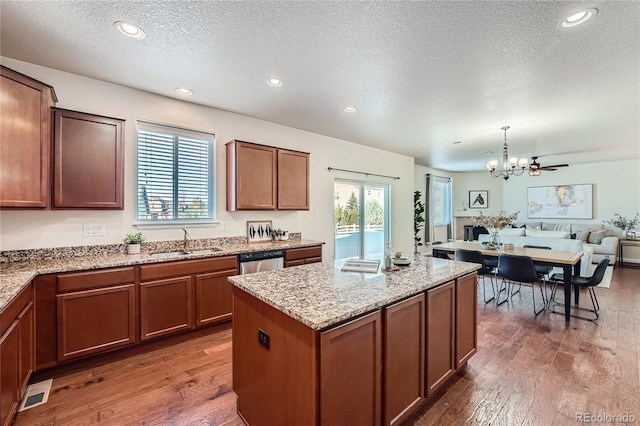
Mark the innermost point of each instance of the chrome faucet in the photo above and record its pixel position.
(185, 244)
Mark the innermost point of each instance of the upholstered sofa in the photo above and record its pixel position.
(603, 241)
(563, 244)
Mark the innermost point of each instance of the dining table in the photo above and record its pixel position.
(568, 261)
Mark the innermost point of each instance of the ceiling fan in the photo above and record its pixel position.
(535, 168)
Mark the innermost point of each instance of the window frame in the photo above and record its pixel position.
(176, 132)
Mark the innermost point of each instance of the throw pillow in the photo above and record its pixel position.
(595, 237)
(582, 236)
(534, 228)
(562, 227)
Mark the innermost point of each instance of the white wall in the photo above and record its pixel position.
(38, 229)
(616, 189)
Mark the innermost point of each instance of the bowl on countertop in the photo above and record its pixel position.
(401, 261)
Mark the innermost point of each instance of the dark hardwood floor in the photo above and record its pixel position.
(528, 371)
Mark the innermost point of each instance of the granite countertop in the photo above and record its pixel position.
(14, 276)
(320, 295)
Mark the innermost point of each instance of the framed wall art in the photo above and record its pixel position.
(478, 199)
(560, 202)
(259, 231)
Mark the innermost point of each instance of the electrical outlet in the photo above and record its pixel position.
(93, 230)
(264, 339)
(224, 226)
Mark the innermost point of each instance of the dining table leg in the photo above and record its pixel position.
(567, 272)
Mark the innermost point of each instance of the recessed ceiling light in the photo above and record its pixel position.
(275, 82)
(579, 18)
(349, 109)
(130, 30)
(184, 91)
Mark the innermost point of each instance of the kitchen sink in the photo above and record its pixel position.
(165, 254)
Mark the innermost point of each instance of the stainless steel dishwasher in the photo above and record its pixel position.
(261, 261)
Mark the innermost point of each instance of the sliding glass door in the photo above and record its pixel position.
(361, 217)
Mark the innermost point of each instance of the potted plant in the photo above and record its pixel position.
(277, 234)
(624, 224)
(133, 241)
(418, 219)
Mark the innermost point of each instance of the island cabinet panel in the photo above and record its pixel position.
(302, 256)
(351, 373)
(251, 176)
(276, 385)
(25, 140)
(466, 319)
(440, 336)
(94, 321)
(404, 359)
(166, 306)
(213, 297)
(293, 180)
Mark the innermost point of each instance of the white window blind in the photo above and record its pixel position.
(175, 174)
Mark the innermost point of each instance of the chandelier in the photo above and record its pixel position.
(513, 166)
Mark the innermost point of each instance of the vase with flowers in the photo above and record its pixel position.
(624, 224)
(494, 224)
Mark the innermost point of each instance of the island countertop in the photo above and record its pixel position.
(319, 295)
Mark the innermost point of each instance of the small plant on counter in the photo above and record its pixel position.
(134, 238)
(277, 234)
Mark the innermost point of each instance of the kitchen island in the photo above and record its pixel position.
(316, 346)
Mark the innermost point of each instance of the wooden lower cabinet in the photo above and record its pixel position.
(166, 306)
(440, 336)
(302, 256)
(181, 295)
(214, 301)
(9, 365)
(351, 373)
(466, 319)
(404, 359)
(376, 369)
(26, 328)
(16, 352)
(94, 321)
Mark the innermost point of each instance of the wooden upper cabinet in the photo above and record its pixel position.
(251, 176)
(262, 177)
(25, 140)
(293, 180)
(88, 161)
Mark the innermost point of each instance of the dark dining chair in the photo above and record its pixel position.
(520, 269)
(581, 282)
(474, 256)
(544, 271)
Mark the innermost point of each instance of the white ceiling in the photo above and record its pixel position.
(422, 74)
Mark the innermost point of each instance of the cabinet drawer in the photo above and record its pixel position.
(188, 267)
(94, 279)
(303, 253)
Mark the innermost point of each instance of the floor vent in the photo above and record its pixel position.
(36, 394)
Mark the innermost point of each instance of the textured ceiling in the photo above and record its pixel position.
(422, 74)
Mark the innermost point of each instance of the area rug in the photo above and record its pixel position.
(606, 280)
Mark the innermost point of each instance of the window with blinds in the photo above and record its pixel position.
(175, 174)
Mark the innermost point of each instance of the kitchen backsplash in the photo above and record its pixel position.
(151, 246)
